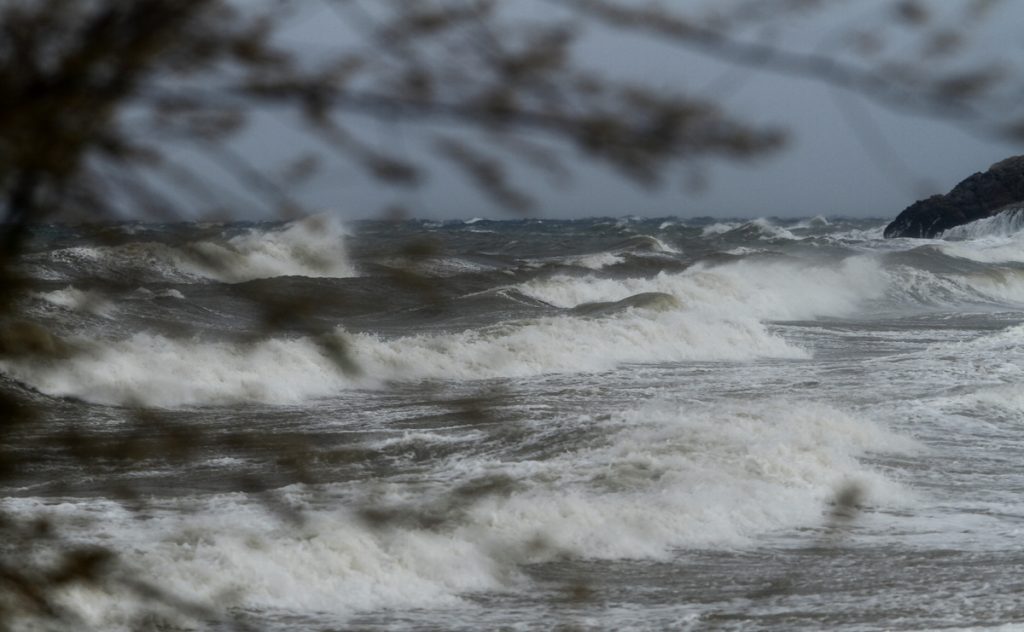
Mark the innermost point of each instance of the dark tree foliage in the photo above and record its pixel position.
(114, 108)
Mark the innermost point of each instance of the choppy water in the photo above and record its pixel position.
(607, 423)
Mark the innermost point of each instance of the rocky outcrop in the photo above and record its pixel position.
(979, 196)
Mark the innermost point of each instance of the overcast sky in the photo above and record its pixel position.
(845, 154)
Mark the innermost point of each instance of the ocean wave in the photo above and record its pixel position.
(992, 404)
(143, 293)
(310, 247)
(74, 299)
(654, 301)
(595, 261)
(858, 235)
(965, 372)
(441, 267)
(760, 228)
(630, 249)
(996, 239)
(1004, 224)
(153, 370)
(999, 354)
(667, 476)
(987, 250)
(818, 221)
(643, 244)
(789, 289)
(772, 290)
(987, 287)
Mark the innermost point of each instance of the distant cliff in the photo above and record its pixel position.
(979, 196)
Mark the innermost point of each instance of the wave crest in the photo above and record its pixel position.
(1003, 224)
(310, 247)
(154, 370)
(664, 476)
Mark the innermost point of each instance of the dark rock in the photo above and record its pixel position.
(979, 196)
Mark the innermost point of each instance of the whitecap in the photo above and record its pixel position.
(72, 298)
(667, 476)
(154, 370)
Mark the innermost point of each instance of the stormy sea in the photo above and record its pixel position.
(611, 423)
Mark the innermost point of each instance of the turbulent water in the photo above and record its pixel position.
(606, 423)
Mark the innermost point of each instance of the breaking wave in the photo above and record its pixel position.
(773, 289)
(996, 239)
(155, 370)
(310, 247)
(1004, 224)
(760, 290)
(665, 476)
(74, 299)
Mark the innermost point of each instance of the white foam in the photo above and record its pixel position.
(412, 439)
(691, 476)
(78, 300)
(1004, 348)
(148, 369)
(721, 318)
(718, 228)
(640, 244)
(310, 247)
(762, 290)
(995, 239)
(1003, 224)
(148, 294)
(768, 229)
(762, 226)
(818, 221)
(665, 476)
(863, 238)
(170, 293)
(1009, 399)
(987, 250)
(437, 267)
(595, 261)
(765, 289)
(910, 285)
(157, 371)
(229, 553)
(743, 251)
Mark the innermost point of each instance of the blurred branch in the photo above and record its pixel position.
(946, 98)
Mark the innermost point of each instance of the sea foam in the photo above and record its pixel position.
(74, 299)
(665, 476)
(310, 247)
(761, 290)
(1006, 223)
(995, 239)
(154, 370)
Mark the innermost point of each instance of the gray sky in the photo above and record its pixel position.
(845, 155)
